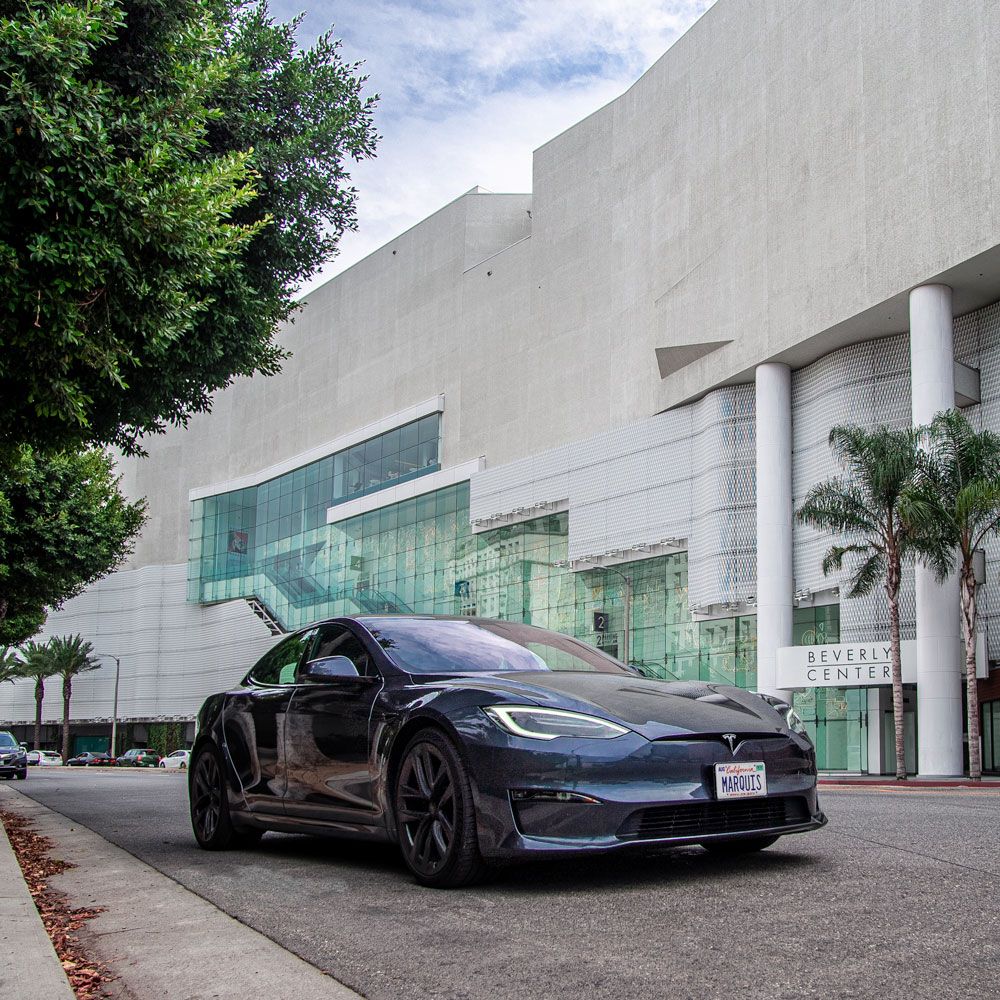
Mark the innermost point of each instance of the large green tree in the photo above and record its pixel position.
(67, 524)
(862, 508)
(170, 171)
(955, 504)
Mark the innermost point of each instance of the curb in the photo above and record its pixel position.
(910, 785)
(29, 966)
(198, 952)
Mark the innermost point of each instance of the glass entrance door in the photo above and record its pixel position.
(837, 720)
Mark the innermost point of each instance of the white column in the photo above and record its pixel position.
(774, 519)
(939, 688)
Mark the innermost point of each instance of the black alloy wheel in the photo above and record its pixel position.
(734, 848)
(213, 826)
(435, 814)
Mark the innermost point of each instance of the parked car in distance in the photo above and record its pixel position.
(88, 759)
(176, 760)
(44, 758)
(13, 758)
(139, 757)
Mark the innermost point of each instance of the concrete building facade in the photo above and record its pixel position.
(596, 407)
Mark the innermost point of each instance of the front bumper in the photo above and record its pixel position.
(8, 769)
(647, 792)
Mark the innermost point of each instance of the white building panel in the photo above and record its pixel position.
(173, 653)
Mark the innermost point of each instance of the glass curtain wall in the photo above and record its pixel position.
(422, 556)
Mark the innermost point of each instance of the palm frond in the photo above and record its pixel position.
(72, 655)
(868, 576)
(833, 561)
(837, 505)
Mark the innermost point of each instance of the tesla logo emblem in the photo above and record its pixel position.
(731, 739)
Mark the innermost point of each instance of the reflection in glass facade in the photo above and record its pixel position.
(421, 555)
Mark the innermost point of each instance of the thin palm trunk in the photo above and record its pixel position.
(39, 695)
(969, 617)
(892, 593)
(67, 693)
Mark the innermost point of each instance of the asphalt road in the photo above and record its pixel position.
(898, 897)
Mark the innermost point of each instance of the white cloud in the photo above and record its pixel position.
(470, 88)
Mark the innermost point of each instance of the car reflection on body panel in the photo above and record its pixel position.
(470, 742)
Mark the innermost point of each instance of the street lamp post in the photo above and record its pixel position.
(114, 710)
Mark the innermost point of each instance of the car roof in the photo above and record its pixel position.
(411, 616)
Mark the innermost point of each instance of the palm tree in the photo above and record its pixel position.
(37, 665)
(863, 507)
(70, 656)
(955, 503)
(10, 665)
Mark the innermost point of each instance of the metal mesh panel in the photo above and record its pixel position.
(983, 328)
(683, 474)
(867, 384)
(722, 564)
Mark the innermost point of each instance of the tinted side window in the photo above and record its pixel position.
(335, 640)
(278, 665)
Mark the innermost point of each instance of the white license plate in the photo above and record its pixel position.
(740, 781)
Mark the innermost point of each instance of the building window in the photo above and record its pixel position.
(232, 535)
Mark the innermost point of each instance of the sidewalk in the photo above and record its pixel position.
(29, 966)
(913, 783)
(198, 952)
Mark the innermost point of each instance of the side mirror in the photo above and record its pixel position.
(328, 668)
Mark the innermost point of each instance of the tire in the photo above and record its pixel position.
(735, 848)
(435, 814)
(22, 775)
(208, 802)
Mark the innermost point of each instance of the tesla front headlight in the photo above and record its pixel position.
(551, 723)
(794, 721)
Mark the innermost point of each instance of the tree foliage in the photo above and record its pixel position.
(67, 525)
(171, 170)
(864, 507)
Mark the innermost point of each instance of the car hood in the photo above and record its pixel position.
(656, 709)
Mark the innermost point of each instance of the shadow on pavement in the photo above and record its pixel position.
(634, 869)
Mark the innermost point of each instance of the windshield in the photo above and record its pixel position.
(7, 741)
(461, 646)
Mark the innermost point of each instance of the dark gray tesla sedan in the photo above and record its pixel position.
(472, 741)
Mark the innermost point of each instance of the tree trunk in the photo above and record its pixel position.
(67, 692)
(892, 592)
(39, 695)
(969, 618)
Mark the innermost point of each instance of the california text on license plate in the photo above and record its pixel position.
(740, 781)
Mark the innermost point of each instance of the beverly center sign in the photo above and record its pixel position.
(845, 664)
(855, 664)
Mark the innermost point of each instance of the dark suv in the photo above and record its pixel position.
(139, 758)
(13, 758)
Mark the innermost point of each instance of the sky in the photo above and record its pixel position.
(469, 89)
